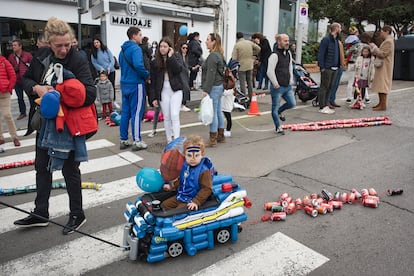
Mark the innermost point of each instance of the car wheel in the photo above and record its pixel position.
(175, 249)
(223, 235)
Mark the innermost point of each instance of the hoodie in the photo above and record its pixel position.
(133, 53)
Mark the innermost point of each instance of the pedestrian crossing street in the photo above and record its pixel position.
(83, 254)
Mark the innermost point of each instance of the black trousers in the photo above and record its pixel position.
(72, 176)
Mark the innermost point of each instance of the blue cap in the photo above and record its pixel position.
(49, 105)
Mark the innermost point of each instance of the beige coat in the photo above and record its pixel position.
(383, 75)
(244, 52)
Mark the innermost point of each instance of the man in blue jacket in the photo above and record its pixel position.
(133, 77)
(329, 62)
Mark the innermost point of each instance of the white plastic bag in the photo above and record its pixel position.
(206, 111)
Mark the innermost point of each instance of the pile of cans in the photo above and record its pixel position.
(318, 204)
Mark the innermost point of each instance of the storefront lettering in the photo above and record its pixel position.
(131, 21)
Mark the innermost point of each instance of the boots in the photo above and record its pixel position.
(220, 136)
(212, 142)
(382, 105)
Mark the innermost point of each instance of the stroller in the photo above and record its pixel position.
(306, 88)
(241, 102)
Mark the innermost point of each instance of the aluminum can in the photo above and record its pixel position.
(289, 199)
(268, 205)
(306, 200)
(371, 201)
(351, 198)
(283, 196)
(327, 195)
(298, 203)
(364, 193)
(329, 207)
(291, 208)
(395, 192)
(357, 194)
(372, 192)
(336, 204)
(337, 195)
(278, 216)
(321, 210)
(315, 202)
(311, 212)
(344, 197)
(314, 196)
(276, 209)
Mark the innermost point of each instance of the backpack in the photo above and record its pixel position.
(228, 80)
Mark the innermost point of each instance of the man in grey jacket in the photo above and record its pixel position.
(243, 52)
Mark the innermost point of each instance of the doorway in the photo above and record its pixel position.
(171, 30)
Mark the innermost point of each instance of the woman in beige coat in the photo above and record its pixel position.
(383, 74)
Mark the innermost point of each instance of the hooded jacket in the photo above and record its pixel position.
(7, 76)
(137, 73)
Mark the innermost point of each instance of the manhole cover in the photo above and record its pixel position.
(156, 147)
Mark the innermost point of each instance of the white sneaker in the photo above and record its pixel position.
(152, 134)
(185, 109)
(116, 105)
(139, 146)
(326, 110)
(227, 133)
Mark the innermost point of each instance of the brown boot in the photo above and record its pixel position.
(220, 136)
(382, 102)
(212, 142)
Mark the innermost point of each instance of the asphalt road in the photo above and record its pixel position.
(357, 240)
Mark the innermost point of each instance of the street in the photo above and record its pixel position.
(354, 240)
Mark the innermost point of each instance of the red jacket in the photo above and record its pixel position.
(22, 66)
(7, 76)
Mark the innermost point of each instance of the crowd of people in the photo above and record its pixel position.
(164, 77)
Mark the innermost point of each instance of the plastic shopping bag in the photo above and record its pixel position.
(206, 111)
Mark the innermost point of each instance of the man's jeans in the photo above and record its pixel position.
(287, 94)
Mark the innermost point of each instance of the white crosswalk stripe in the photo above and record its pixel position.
(76, 257)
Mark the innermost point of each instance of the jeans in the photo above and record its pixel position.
(332, 96)
(262, 74)
(72, 176)
(133, 106)
(218, 120)
(287, 94)
(20, 98)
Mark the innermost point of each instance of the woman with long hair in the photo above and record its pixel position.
(103, 60)
(212, 84)
(166, 89)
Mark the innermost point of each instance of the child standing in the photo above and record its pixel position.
(227, 104)
(105, 93)
(364, 71)
(194, 184)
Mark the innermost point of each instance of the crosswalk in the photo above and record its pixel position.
(83, 254)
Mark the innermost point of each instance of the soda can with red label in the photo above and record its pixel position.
(314, 196)
(344, 197)
(268, 205)
(278, 216)
(351, 198)
(336, 204)
(291, 208)
(357, 194)
(306, 200)
(289, 199)
(298, 203)
(364, 193)
(337, 196)
(328, 207)
(283, 196)
(321, 210)
(311, 211)
(372, 192)
(371, 201)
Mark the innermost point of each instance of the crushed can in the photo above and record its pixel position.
(328, 207)
(336, 204)
(372, 192)
(371, 201)
(278, 216)
(298, 203)
(283, 196)
(321, 210)
(357, 194)
(394, 192)
(291, 208)
(364, 193)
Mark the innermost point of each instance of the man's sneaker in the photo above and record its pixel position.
(31, 221)
(227, 133)
(281, 117)
(152, 134)
(185, 109)
(124, 144)
(367, 101)
(116, 105)
(74, 223)
(279, 130)
(348, 100)
(326, 110)
(140, 145)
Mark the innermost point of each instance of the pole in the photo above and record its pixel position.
(79, 24)
(299, 33)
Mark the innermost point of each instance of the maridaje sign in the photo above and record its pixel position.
(303, 13)
(131, 21)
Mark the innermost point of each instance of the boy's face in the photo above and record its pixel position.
(102, 76)
(193, 155)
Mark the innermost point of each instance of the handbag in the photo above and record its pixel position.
(116, 64)
(228, 81)
(378, 62)
(206, 111)
(36, 120)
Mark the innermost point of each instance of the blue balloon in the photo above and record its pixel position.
(149, 180)
(183, 30)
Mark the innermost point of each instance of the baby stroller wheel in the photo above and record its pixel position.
(315, 102)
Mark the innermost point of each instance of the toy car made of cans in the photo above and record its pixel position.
(152, 234)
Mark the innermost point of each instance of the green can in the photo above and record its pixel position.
(277, 209)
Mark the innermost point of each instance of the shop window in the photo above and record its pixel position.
(249, 16)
